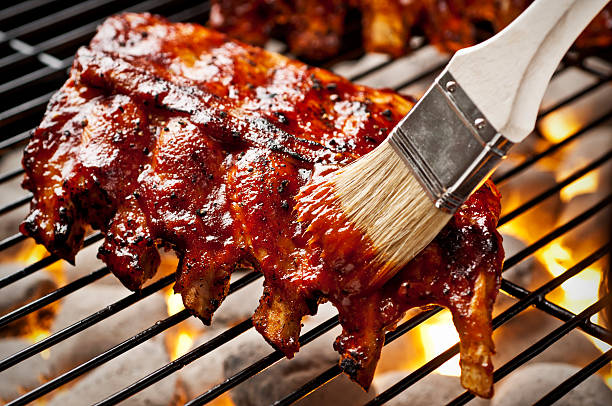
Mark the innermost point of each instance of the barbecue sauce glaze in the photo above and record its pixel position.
(172, 135)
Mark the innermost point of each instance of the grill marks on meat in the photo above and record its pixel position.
(173, 135)
(314, 28)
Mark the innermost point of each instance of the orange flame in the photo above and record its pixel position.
(32, 252)
(437, 335)
(586, 184)
(182, 344)
(559, 125)
(35, 336)
(174, 301)
(578, 292)
(182, 341)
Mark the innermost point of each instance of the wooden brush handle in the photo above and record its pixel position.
(506, 76)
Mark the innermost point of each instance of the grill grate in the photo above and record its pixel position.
(35, 52)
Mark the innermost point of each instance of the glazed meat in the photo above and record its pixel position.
(314, 28)
(172, 135)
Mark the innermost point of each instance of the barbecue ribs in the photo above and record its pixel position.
(174, 135)
(314, 29)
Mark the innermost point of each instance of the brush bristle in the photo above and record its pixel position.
(381, 196)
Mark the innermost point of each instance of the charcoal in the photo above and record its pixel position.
(309, 362)
(591, 234)
(120, 372)
(521, 188)
(587, 149)
(528, 384)
(434, 389)
(87, 262)
(106, 334)
(239, 306)
(22, 292)
(531, 325)
(529, 273)
(207, 371)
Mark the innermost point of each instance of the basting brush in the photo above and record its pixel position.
(401, 195)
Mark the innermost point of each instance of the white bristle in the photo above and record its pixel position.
(381, 196)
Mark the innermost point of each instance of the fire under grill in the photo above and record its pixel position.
(37, 41)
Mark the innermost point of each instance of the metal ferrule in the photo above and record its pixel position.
(448, 143)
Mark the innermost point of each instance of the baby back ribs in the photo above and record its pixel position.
(174, 135)
(314, 29)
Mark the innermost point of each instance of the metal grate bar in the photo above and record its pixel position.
(524, 303)
(22, 8)
(123, 347)
(414, 377)
(313, 384)
(11, 175)
(260, 365)
(530, 299)
(191, 13)
(12, 240)
(575, 380)
(541, 345)
(560, 185)
(559, 312)
(421, 76)
(179, 363)
(85, 323)
(557, 232)
(78, 35)
(50, 20)
(53, 296)
(38, 265)
(27, 111)
(32, 106)
(373, 69)
(335, 370)
(498, 180)
(582, 65)
(538, 295)
(46, 73)
(15, 204)
(14, 140)
(575, 96)
(209, 395)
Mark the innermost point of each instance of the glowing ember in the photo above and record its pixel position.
(586, 184)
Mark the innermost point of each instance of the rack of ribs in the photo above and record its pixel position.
(314, 29)
(173, 135)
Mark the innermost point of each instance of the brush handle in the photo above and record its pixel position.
(506, 76)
